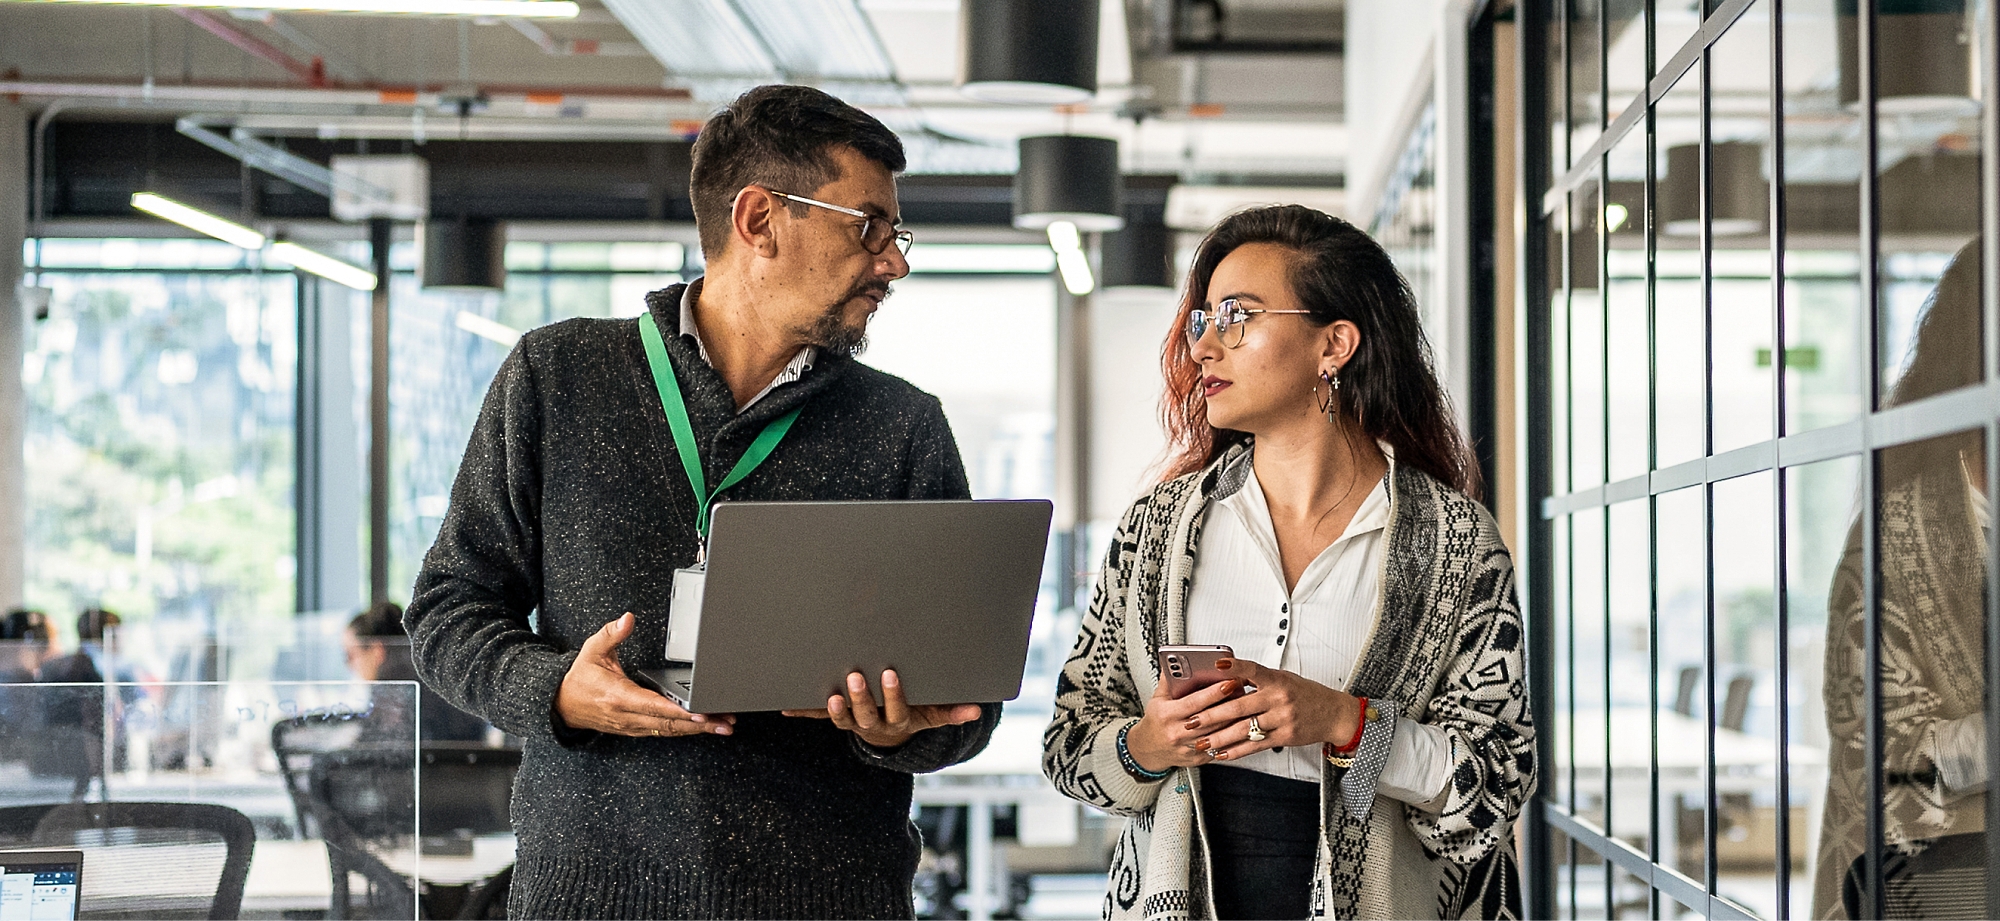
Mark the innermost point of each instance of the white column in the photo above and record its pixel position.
(13, 342)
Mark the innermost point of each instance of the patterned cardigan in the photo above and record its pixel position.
(1446, 646)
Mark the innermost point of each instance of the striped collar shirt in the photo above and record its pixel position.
(1318, 630)
(793, 370)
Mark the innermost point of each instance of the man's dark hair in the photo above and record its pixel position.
(382, 620)
(25, 625)
(780, 137)
(91, 624)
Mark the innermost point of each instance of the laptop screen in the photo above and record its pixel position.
(40, 886)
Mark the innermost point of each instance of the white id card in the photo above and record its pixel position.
(684, 613)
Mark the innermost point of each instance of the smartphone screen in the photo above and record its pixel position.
(1187, 669)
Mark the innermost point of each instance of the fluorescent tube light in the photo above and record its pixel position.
(488, 329)
(1063, 236)
(538, 9)
(198, 220)
(1075, 267)
(324, 266)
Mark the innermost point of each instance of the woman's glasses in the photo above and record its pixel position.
(876, 232)
(1228, 318)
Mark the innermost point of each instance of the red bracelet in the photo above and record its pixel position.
(1359, 726)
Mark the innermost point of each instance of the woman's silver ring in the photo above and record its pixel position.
(1256, 731)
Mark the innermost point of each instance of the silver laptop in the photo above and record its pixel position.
(799, 594)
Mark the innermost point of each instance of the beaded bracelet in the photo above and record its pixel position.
(1132, 764)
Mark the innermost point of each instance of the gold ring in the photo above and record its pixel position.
(1256, 731)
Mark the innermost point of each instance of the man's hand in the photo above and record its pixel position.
(597, 695)
(895, 722)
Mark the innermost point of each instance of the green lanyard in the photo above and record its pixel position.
(677, 419)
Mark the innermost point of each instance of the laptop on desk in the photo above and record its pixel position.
(796, 595)
(41, 885)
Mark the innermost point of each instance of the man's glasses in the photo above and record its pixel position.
(1228, 318)
(876, 231)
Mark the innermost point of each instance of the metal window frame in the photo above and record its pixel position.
(1543, 37)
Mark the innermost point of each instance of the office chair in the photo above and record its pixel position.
(146, 860)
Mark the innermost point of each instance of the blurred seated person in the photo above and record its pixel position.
(73, 720)
(378, 649)
(25, 641)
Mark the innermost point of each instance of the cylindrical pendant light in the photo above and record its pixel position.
(1139, 256)
(464, 254)
(1740, 195)
(1924, 60)
(1066, 177)
(1028, 52)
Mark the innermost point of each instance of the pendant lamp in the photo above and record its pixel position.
(1028, 52)
(1067, 177)
(1924, 58)
(464, 254)
(1740, 196)
(1139, 256)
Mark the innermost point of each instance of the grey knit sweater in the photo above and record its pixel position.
(570, 509)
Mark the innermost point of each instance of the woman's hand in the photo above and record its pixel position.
(1168, 737)
(1291, 710)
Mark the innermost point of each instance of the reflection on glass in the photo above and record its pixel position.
(1739, 68)
(1561, 373)
(1631, 897)
(1745, 691)
(1928, 185)
(1683, 702)
(1820, 514)
(1561, 774)
(1554, 33)
(1680, 379)
(1931, 531)
(1630, 648)
(1678, 21)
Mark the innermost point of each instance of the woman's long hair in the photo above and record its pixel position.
(1338, 272)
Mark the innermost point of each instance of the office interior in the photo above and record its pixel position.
(1712, 287)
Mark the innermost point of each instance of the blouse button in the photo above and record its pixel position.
(1281, 641)
(1282, 623)
(1285, 608)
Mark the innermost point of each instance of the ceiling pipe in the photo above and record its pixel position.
(313, 73)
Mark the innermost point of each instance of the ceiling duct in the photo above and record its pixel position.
(1028, 52)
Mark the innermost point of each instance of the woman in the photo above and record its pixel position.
(1371, 748)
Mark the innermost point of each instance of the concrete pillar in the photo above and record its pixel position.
(13, 348)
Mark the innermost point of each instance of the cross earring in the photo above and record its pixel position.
(1330, 404)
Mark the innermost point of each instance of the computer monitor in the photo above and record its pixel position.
(40, 885)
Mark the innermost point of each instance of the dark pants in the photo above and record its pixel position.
(1263, 839)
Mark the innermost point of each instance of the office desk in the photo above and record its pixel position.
(1007, 773)
(293, 875)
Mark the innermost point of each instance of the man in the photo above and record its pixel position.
(378, 649)
(572, 505)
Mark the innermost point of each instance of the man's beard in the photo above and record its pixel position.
(831, 331)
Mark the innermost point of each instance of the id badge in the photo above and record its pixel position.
(684, 612)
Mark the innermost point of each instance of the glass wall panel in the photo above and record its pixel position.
(1625, 277)
(1680, 394)
(1591, 726)
(1677, 23)
(1821, 173)
(1630, 643)
(1739, 195)
(1562, 396)
(1682, 681)
(1745, 692)
(1586, 343)
(1561, 779)
(1626, 68)
(1586, 82)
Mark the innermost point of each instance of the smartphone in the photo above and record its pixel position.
(1188, 669)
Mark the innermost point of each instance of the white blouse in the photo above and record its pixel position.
(1317, 631)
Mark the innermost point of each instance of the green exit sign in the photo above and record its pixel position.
(1797, 358)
